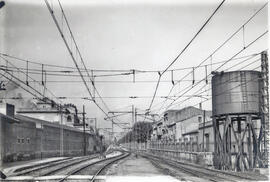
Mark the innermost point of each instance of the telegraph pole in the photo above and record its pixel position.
(84, 136)
(61, 132)
(133, 123)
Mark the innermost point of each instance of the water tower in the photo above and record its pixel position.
(239, 120)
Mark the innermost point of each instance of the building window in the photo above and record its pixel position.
(28, 140)
(207, 142)
(69, 118)
(22, 140)
(18, 140)
(200, 119)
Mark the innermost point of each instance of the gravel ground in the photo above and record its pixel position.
(136, 169)
(132, 166)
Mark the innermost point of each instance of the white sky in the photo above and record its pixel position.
(136, 34)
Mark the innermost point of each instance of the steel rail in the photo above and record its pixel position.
(91, 164)
(69, 165)
(106, 165)
(208, 172)
(70, 162)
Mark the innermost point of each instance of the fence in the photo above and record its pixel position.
(175, 151)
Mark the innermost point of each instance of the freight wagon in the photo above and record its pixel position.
(25, 138)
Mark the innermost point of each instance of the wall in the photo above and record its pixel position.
(32, 138)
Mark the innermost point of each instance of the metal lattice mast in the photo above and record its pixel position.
(265, 105)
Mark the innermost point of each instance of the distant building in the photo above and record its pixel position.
(176, 123)
(189, 120)
(49, 111)
(90, 125)
(158, 130)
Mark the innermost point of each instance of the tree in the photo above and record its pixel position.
(141, 132)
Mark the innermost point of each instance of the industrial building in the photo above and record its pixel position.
(24, 137)
(48, 110)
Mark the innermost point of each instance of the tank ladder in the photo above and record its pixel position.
(265, 107)
(244, 90)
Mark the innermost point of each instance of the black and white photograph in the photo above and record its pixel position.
(134, 90)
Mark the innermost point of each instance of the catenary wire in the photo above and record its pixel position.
(225, 42)
(182, 51)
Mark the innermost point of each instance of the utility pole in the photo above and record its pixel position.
(61, 132)
(84, 136)
(203, 130)
(133, 123)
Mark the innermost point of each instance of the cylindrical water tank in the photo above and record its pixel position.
(236, 92)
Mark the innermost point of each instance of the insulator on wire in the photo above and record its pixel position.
(193, 76)
(93, 83)
(44, 83)
(42, 72)
(133, 72)
(172, 77)
(244, 43)
(45, 77)
(206, 76)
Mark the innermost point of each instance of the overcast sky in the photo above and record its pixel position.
(130, 34)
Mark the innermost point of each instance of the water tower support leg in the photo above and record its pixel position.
(255, 145)
(229, 144)
(240, 154)
(215, 143)
(225, 143)
(250, 152)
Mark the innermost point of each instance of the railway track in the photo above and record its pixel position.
(61, 170)
(108, 163)
(96, 167)
(200, 172)
(50, 168)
